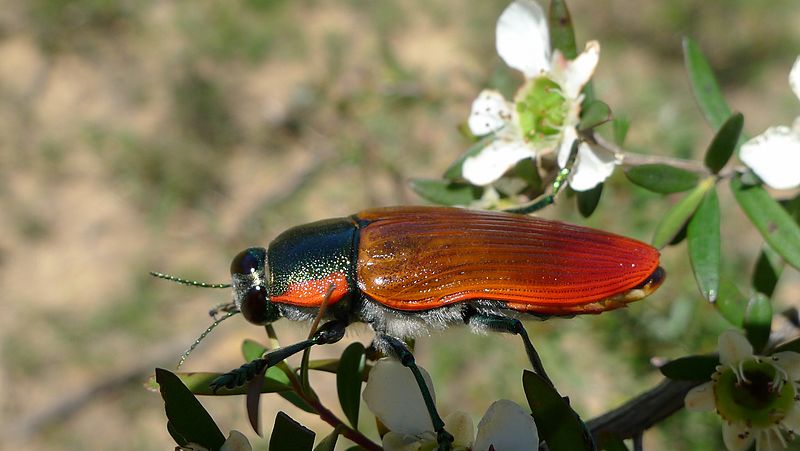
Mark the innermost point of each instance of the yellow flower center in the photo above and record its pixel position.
(541, 109)
(756, 396)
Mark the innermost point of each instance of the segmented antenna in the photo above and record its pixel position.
(202, 336)
(193, 283)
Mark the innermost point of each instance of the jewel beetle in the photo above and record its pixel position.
(408, 271)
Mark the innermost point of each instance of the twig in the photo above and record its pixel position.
(635, 159)
(643, 411)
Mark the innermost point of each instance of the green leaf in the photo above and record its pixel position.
(677, 216)
(446, 192)
(252, 350)
(588, 200)
(454, 171)
(328, 443)
(731, 303)
(691, 368)
(348, 381)
(757, 321)
(620, 126)
(791, 345)
(289, 435)
(704, 85)
(187, 419)
(558, 424)
(595, 114)
(767, 272)
(704, 245)
(776, 225)
(662, 178)
(724, 143)
(562, 35)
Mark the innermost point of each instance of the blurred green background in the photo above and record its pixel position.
(157, 135)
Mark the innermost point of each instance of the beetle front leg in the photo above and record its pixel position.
(514, 326)
(558, 183)
(328, 333)
(401, 351)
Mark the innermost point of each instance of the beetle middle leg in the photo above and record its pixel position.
(558, 183)
(328, 333)
(497, 323)
(401, 351)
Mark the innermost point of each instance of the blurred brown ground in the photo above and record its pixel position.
(154, 135)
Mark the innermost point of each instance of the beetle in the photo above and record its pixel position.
(408, 271)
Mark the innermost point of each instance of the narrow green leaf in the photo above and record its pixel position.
(558, 424)
(588, 200)
(662, 178)
(777, 227)
(724, 143)
(767, 272)
(289, 435)
(446, 192)
(562, 35)
(691, 368)
(731, 303)
(454, 171)
(704, 245)
(595, 114)
(328, 443)
(677, 216)
(252, 350)
(704, 85)
(187, 419)
(757, 321)
(348, 381)
(620, 126)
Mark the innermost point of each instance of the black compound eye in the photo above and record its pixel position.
(248, 261)
(254, 305)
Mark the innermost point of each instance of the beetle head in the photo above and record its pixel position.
(250, 277)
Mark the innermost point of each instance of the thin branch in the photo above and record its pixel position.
(635, 159)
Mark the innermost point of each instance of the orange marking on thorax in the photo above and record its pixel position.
(311, 293)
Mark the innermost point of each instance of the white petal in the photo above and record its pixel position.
(732, 436)
(700, 398)
(508, 427)
(460, 425)
(768, 440)
(236, 442)
(392, 394)
(568, 137)
(490, 112)
(794, 77)
(579, 71)
(792, 419)
(790, 362)
(523, 39)
(494, 160)
(393, 441)
(775, 157)
(733, 347)
(591, 168)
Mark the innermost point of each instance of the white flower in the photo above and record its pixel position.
(546, 109)
(775, 154)
(756, 396)
(393, 396)
(236, 441)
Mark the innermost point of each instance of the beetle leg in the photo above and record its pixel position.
(558, 183)
(514, 326)
(328, 333)
(401, 351)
